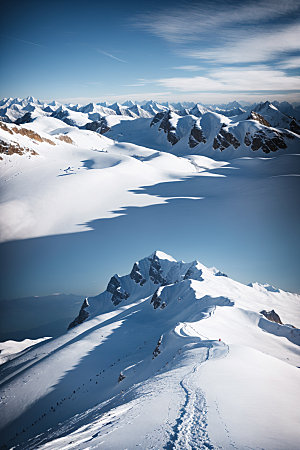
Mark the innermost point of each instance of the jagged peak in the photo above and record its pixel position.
(162, 255)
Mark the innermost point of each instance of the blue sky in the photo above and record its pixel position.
(208, 51)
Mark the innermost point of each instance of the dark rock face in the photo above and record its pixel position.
(155, 271)
(63, 115)
(82, 316)
(24, 119)
(156, 300)
(166, 125)
(196, 136)
(190, 272)
(272, 316)
(168, 128)
(221, 274)
(121, 377)
(259, 118)
(157, 118)
(136, 275)
(98, 125)
(266, 142)
(294, 126)
(224, 139)
(157, 351)
(114, 288)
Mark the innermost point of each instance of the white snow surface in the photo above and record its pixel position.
(201, 368)
(46, 194)
(9, 349)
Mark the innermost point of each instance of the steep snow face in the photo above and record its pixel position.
(186, 352)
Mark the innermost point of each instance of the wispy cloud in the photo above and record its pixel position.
(188, 68)
(228, 33)
(259, 47)
(290, 63)
(111, 56)
(183, 24)
(36, 44)
(258, 78)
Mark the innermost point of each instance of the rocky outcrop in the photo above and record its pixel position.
(157, 350)
(157, 118)
(259, 118)
(193, 274)
(118, 293)
(27, 118)
(155, 271)
(220, 274)
(270, 142)
(168, 128)
(121, 377)
(136, 275)
(165, 124)
(224, 139)
(294, 126)
(82, 316)
(100, 126)
(272, 316)
(156, 300)
(196, 136)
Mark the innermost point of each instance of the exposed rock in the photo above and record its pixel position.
(27, 118)
(247, 140)
(82, 316)
(196, 136)
(294, 126)
(157, 351)
(65, 138)
(155, 271)
(121, 377)
(165, 125)
(191, 272)
(136, 275)
(156, 300)
(259, 118)
(267, 140)
(267, 143)
(100, 126)
(157, 118)
(114, 288)
(168, 128)
(224, 139)
(220, 274)
(10, 148)
(25, 132)
(272, 316)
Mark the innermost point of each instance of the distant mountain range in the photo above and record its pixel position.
(186, 127)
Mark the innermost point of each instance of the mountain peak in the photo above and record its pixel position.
(162, 255)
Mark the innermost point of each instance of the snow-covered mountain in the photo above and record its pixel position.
(140, 151)
(172, 355)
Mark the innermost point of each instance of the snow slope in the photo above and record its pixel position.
(148, 369)
(68, 166)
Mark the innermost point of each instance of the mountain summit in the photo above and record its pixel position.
(163, 358)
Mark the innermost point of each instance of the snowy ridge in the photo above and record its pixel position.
(144, 368)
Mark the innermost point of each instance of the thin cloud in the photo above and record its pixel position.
(189, 68)
(253, 48)
(111, 56)
(189, 24)
(24, 41)
(259, 78)
(290, 63)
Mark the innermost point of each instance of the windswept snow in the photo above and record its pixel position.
(181, 361)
